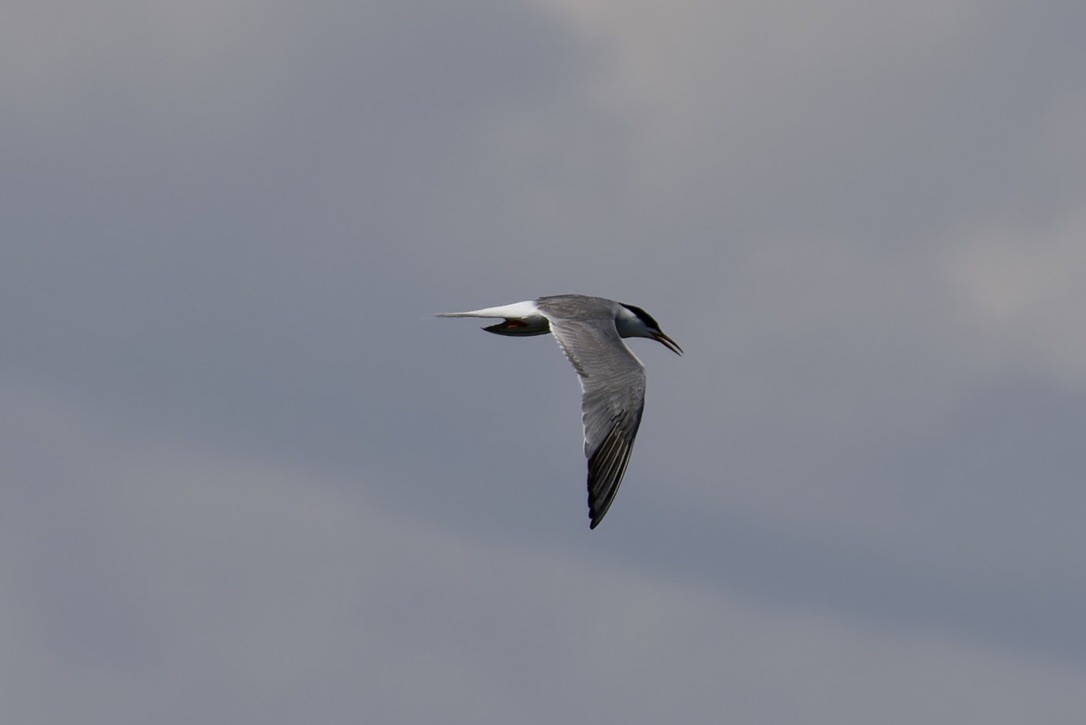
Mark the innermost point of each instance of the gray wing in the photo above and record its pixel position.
(613, 383)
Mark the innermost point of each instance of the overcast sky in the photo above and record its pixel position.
(245, 478)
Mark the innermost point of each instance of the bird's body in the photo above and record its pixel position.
(590, 332)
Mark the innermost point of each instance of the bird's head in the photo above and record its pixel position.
(632, 321)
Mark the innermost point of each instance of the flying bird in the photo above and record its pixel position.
(590, 331)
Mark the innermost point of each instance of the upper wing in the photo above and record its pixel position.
(613, 383)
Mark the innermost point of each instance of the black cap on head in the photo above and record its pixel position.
(644, 316)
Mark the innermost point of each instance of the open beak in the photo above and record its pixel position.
(668, 343)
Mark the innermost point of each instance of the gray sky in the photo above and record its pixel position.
(247, 479)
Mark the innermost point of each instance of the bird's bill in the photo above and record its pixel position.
(667, 342)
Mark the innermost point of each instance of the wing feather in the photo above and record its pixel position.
(613, 395)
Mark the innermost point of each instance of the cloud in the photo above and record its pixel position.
(1021, 288)
(153, 579)
(246, 473)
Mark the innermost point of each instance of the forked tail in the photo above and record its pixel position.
(522, 319)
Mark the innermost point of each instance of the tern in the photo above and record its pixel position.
(590, 331)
